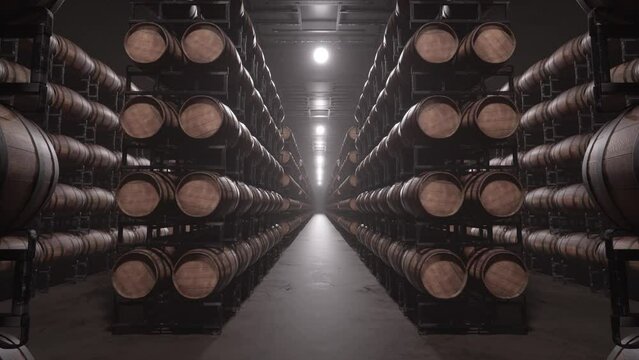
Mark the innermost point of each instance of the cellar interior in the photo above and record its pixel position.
(321, 179)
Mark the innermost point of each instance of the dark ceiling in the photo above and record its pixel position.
(289, 31)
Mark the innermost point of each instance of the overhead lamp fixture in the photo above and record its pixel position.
(319, 160)
(319, 103)
(320, 55)
(320, 130)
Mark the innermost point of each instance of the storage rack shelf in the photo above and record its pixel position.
(39, 29)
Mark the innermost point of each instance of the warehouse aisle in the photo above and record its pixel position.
(320, 302)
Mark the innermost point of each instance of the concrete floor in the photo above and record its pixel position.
(320, 302)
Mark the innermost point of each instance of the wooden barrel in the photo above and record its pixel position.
(203, 117)
(286, 157)
(259, 204)
(143, 117)
(244, 254)
(535, 116)
(395, 253)
(501, 272)
(570, 101)
(204, 194)
(109, 79)
(202, 272)
(206, 43)
(611, 169)
(489, 43)
(575, 50)
(348, 144)
(540, 199)
(433, 118)
(541, 242)
(99, 200)
(69, 102)
(348, 164)
(432, 43)
(59, 246)
(101, 158)
(149, 43)
(133, 235)
(145, 193)
(363, 201)
(573, 199)
(139, 272)
(350, 226)
(507, 160)
(394, 199)
(246, 199)
(103, 117)
(493, 194)
(537, 157)
(66, 51)
(347, 188)
(436, 272)
(627, 72)
(70, 152)
(434, 194)
(28, 170)
(11, 72)
(579, 246)
(348, 204)
(66, 199)
(98, 242)
(569, 151)
(530, 78)
(493, 118)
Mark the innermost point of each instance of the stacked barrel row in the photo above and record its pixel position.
(347, 160)
(58, 246)
(442, 195)
(291, 160)
(225, 174)
(589, 249)
(414, 171)
(203, 45)
(577, 161)
(197, 195)
(66, 166)
(196, 273)
(440, 272)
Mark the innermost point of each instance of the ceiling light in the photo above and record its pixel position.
(319, 103)
(320, 130)
(319, 160)
(320, 55)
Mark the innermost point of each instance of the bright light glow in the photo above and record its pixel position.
(320, 130)
(319, 103)
(320, 173)
(320, 55)
(319, 161)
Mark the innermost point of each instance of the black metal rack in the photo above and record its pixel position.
(602, 28)
(474, 309)
(38, 28)
(474, 312)
(164, 312)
